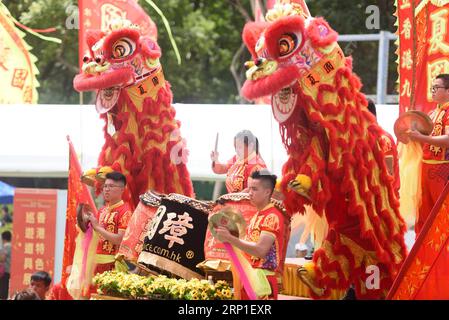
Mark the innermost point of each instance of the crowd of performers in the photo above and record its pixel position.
(264, 242)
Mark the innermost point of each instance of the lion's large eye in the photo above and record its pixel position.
(123, 48)
(260, 44)
(288, 44)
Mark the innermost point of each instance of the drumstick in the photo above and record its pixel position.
(216, 149)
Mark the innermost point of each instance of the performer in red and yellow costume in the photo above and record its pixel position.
(111, 222)
(435, 166)
(336, 162)
(265, 242)
(389, 148)
(269, 220)
(142, 137)
(240, 167)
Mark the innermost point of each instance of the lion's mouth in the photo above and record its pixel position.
(106, 99)
(281, 79)
(108, 92)
(107, 81)
(260, 69)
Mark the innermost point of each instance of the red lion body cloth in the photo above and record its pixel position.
(336, 162)
(142, 138)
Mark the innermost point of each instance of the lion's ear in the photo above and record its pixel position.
(320, 33)
(251, 34)
(93, 36)
(150, 48)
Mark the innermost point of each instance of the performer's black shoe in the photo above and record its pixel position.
(350, 294)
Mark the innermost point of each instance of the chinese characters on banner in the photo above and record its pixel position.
(17, 65)
(98, 14)
(34, 230)
(423, 50)
(406, 52)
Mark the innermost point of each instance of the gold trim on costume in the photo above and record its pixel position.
(148, 87)
(323, 72)
(199, 205)
(116, 205)
(435, 161)
(151, 199)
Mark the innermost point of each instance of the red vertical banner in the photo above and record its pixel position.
(34, 233)
(258, 11)
(432, 37)
(406, 53)
(97, 15)
(270, 4)
(423, 50)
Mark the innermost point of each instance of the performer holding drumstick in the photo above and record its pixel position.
(239, 168)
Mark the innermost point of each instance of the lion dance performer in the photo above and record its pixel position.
(142, 138)
(336, 163)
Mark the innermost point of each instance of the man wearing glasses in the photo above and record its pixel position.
(111, 222)
(435, 166)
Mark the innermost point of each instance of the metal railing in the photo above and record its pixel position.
(384, 38)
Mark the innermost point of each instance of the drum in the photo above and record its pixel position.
(138, 226)
(174, 242)
(216, 257)
(217, 262)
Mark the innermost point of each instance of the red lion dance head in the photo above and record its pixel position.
(142, 137)
(336, 162)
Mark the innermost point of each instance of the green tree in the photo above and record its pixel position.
(350, 17)
(208, 33)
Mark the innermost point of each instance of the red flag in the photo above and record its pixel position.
(259, 17)
(424, 274)
(97, 14)
(270, 4)
(77, 193)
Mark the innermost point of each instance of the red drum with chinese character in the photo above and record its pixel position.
(138, 226)
(174, 243)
